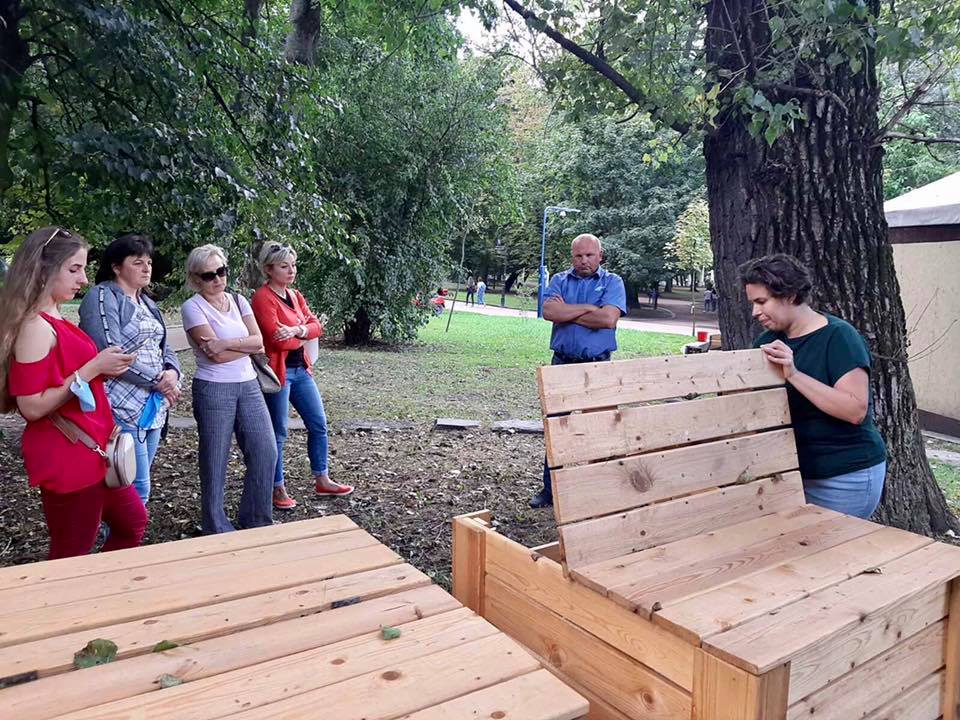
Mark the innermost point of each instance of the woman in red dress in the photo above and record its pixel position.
(47, 366)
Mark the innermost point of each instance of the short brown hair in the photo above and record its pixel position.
(783, 275)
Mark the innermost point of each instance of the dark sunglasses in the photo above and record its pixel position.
(209, 276)
(57, 231)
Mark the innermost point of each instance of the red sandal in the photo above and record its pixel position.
(341, 490)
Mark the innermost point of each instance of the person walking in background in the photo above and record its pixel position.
(119, 312)
(826, 364)
(584, 304)
(50, 371)
(286, 323)
(226, 394)
(481, 292)
(471, 290)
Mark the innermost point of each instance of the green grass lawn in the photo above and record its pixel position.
(948, 478)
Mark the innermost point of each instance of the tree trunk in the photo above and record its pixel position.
(14, 61)
(817, 194)
(358, 331)
(301, 45)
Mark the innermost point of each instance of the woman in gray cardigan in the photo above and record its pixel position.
(117, 312)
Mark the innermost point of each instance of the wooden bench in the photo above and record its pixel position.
(277, 622)
(691, 579)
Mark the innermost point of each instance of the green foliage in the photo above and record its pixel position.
(690, 247)
(95, 652)
(164, 645)
(389, 633)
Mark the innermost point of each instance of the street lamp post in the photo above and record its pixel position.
(543, 250)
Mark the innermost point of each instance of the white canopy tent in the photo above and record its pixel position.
(935, 204)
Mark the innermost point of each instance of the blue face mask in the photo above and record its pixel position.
(150, 410)
(81, 388)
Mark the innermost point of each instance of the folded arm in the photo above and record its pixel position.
(558, 311)
(603, 317)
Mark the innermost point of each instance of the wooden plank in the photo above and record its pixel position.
(951, 690)
(731, 605)
(250, 560)
(616, 485)
(55, 654)
(666, 558)
(724, 692)
(216, 587)
(264, 684)
(869, 611)
(921, 702)
(564, 388)
(600, 709)
(541, 581)
(877, 682)
(591, 541)
(19, 576)
(468, 559)
(549, 550)
(626, 684)
(653, 592)
(534, 696)
(586, 437)
(75, 691)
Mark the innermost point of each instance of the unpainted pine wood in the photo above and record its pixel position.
(564, 388)
(250, 560)
(724, 692)
(903, 596)
(469, 537)
(534, 696)
(20, 576)
(668, 558)
(600, 709)
(592, 541)
(542, 582)
(263, 683)
(654, 592)
(219, 658)
(191, 593)
(729, 606)
(587, 437)
(951, 691)
(55, 654)
(631, 687)
(550, 551)
(878, 681)
(617, 485)
(921, 702)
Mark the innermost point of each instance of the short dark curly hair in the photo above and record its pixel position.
(783, 275)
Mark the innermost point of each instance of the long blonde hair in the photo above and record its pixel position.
(37, 260)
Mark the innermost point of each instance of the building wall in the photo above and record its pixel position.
(929, 275)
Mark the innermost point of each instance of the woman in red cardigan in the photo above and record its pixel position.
(286, 323)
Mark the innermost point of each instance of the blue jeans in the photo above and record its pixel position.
(145, 443)
(300, 390)
(856, 493)
(481, 294)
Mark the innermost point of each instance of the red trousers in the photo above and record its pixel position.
(73, 519)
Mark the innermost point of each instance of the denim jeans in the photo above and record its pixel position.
(481, 297)
(145, 443)
(856, 493)
(300, 390)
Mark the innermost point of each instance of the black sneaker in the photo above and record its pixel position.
(541, 500)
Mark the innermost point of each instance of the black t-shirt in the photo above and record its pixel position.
(828, 446)
(294, 357)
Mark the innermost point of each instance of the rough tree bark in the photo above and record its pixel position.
(817, 194)
(359, 329)
(14, 61)
(305, 20)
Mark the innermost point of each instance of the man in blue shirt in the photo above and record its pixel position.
(584, 304)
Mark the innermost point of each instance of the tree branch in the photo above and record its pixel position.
(598, 64)
(919, 139)
(917, 93)
(814, 92)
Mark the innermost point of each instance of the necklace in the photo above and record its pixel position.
(282, 296)
(223, 304)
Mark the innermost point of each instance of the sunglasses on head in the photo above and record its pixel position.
(57, 231)
(209, 276)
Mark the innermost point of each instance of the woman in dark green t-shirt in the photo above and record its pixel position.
(826, 364)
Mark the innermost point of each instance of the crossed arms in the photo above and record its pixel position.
(589, 316)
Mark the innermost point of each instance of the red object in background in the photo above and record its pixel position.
(702, 335)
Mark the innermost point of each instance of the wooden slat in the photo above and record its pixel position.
(654, 592)
(828, 633)
(564, 388)
(626, 684)
(921, 702)
(19, 576)
(541, 581)
(250, 560)
(194, 592)
(591, 541)
(600, 709)
(55, 654)
(725, 692)
(615, 485)
(587, 437)
(549, 550)
(54, 696)
(468, 558)
(951, 692)
(535, 696)
(667, 558)
(751, 597)
(877, 682)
